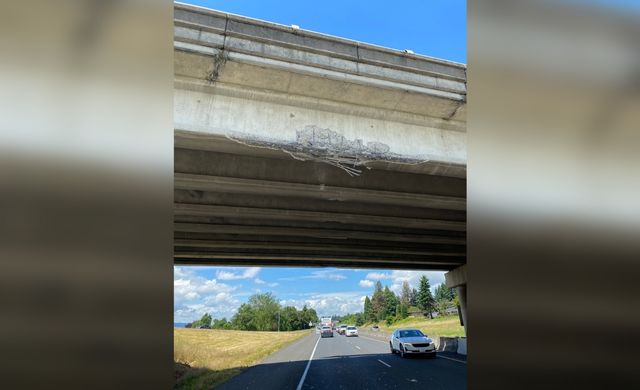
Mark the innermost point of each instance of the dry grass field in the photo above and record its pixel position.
(441, 326)
(205, 358)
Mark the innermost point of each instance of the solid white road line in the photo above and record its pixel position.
(304, 374)
(384, 363)
(455, 360)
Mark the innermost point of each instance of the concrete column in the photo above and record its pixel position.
(462, 297)
(458, 278)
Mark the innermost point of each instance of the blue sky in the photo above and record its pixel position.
(436, 28)
(220, 290)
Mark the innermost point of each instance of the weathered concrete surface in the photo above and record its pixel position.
(297, 148)
(456, 277)
(273, 82)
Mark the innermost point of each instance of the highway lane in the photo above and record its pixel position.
(348, 363)
(280, 370)
(361, 363)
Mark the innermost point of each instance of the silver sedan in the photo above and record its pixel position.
(411, 342)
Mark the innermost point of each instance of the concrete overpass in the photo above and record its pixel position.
(295, 148)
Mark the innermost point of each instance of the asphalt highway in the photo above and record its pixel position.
(349, 363)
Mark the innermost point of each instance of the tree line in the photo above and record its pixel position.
(262, 312)
(385, 305)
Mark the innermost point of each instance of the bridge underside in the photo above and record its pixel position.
(297, 149)
(249, 209)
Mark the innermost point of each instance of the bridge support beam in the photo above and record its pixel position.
(458, 278)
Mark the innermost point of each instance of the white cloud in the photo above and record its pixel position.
(366, 283)
(322, 274)
(248, 273)
(195, 295)
(377, 276)
(413, 277)
(251, 272)
(191, 287)
(396, 278)
(326, 274)
(260, 281)
(330, 303)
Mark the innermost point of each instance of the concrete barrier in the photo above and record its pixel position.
(462, 346)
(448, 344)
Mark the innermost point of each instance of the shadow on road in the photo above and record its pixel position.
(358, 371)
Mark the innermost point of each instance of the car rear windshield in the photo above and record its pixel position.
(325, 327)
(351, 327)
(410, 333)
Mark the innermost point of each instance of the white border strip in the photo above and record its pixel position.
(304, 374)
(455, 360)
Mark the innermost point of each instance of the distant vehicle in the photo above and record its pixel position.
(375, 328)
(317, 330)
(204, 327)
(341, 329)
(410, 342)
(351, 331)
(326, 332)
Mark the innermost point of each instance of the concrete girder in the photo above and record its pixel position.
(318, 216)
(324, 192)
(257, 163)
(397, 239)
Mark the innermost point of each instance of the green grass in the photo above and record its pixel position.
(448, 326)
(205, 358)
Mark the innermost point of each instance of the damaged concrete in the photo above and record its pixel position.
(219, 59)
(314, 143)
(318, 98)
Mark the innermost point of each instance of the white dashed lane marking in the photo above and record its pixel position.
(384, 363)
(455, 360)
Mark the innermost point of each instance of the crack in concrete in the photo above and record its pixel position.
(219, 60)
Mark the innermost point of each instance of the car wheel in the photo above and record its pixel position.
(401, 351)
(393, 351)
